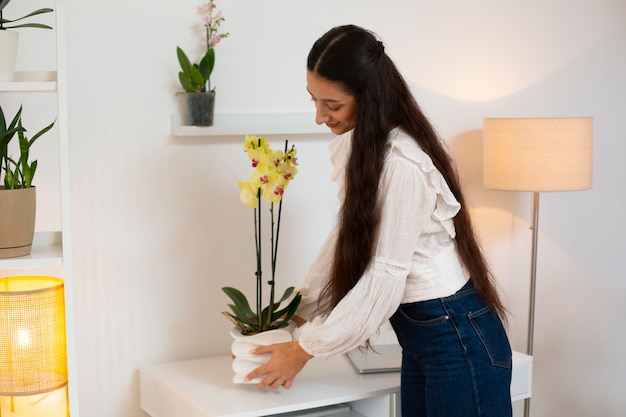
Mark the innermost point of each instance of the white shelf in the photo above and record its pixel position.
(203, 388)
(45, 252)
(31, 81)
(237, 124)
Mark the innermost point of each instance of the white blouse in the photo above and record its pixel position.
(415, 257)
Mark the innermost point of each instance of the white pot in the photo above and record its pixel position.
(8, 52)
(244, 361)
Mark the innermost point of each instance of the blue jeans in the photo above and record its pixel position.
(456, 359)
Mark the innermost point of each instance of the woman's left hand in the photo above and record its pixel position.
(286, 362)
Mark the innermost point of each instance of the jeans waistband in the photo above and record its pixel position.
(466, 289)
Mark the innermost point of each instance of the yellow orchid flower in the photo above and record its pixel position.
(253, 142)
(272, 172)
(248, 194)
(287, 171)
(273, 191)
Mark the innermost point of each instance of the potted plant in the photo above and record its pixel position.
(17, 193)
(195, 78)
(266, 323)
(9, 38)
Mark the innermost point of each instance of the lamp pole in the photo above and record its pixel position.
(533, 284)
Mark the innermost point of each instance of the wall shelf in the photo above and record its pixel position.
(238, 124)
(31, 81)
(45, 252)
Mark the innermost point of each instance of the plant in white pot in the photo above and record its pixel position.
(265, 324)
(195, 78)
(9, 38)
(17, 192)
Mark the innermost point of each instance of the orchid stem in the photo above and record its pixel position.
(274, 249)
(259, 269)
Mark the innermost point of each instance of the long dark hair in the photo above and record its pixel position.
(355, 59)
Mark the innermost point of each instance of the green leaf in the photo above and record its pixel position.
(4, 132)
(28, 25)
(279, 324)
(35, 13)
(265, 324)
(280, 318)
(196, 78)
(26, 169)
(189, 78)
(286, 294)
(24, 153)
(288, 312)
(6, 135)
(240, 300)
(31, 25)
(184, 62)
(28, 179)
(185, 82)
(41, 132)
(3, 123)
(16, 118)
(242, 317)
(207, 63)
(11, 178)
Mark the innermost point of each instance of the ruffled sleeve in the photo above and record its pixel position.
(358, 316)
(446, 206)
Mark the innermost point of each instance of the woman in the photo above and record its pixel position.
(403, 248)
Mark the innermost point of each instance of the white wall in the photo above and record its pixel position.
(158, 227)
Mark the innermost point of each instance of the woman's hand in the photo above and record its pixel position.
(286, 362)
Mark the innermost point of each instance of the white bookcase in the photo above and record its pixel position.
(45, 92)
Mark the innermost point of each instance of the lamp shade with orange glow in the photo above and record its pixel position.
(33, 357)
(538, 154)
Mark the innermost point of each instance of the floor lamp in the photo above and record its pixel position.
(537, 155)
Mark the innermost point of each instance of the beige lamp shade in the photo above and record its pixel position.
(538, 154)
(33, 357)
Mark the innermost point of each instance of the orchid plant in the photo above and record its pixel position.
(273, 171)
(196, 77)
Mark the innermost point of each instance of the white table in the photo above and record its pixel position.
(203, 388)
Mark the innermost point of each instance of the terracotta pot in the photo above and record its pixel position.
(17, 221)
(244, 361)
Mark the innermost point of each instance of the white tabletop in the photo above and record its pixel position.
(203, 387)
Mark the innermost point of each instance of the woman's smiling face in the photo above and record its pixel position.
(333, 106)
